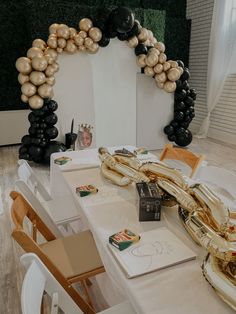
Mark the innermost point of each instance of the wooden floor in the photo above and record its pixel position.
(11, 272)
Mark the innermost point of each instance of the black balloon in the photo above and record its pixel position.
(40, 135)
(186, 140)
(179, 106)
(52, 147)
(186, 75)
(39, 112)
(135, 30)
(51, 132)
(35, 141)
(184, 124)
(193, 93)
(178, 85)
(23, 149)
(104, 41)
(180, 63)
(185, 85)
(180, 132)
(174, 123)
(43, 125)
(187, 119)
(122, 36)
(51, 119)
(179, 115)
(171, 137)
(39, 131)
(32, 118)
(32, 130)
(110, 31)
(191, 109)
(25, 156)
(188, 101)
(26, 140)
(169, 129)
(140, 49)
(35, 125)
(122, 19)
(52, 105)
(180, 94)
(43, 142)
(36, 153)
(192, 115)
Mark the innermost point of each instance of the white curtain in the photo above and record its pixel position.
(220, 51)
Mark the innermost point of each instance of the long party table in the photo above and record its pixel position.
(180, 289)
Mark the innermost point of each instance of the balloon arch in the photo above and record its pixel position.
(38, 68)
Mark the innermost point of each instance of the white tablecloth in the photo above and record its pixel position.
(174, 290)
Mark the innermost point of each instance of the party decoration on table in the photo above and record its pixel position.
(141, 151)
(71, 137)
(123, 239)
(37, 74)
(85, 136)
(124, 152)
(201, 211)
(149, 201)
(85, 190)
(62, 160)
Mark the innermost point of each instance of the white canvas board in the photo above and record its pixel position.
(156, 249)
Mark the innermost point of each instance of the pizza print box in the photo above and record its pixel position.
(85, 190)
(149, 201)
(62, 160)
(123, 239)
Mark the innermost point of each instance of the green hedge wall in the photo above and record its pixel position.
(23, 21)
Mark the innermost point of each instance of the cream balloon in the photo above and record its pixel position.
(51, 80)
(152, 59)
(50, 70)
(39, 43)
(23, 78)
(70, 46)
(35, 102)
(162, 57)
(45, 91)
(154, 50)
(181, 70)
(158, 68)
(173, 64)
(61, 42)
(55, 66)
(49, 59)
(79, 40)
(160, 85)
(132, 42)
(95, 34)
(88, 42)
(23, 65)
(82, 34)
(51, 52)
(161, 77)
(59, 50)
(169, 86)
(82, 48)
(149, 71)
(34, 52)
(37, 78)
(39, 63)
(166, 66)
(141, 60)
(173, 74)
(93, 48)
(52, 41)
(63, 31)
(73, 32)
(53, 28)
(85, 24)
(160, 46)
(24, 98)
(28, 89)
(143, 35)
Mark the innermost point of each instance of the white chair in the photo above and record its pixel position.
(62, 210)
(38, 279)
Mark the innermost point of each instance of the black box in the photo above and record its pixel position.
(149, 201)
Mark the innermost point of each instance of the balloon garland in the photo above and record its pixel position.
(37, 69)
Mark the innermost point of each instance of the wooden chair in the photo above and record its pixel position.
(38, 279)
(62, 210)
(70, 259)
(183, 155)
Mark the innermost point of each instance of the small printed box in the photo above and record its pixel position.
(62, 160)
(149, 201)
(123, 239)
(85, 190)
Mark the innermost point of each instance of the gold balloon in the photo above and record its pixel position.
(37, 78)
(170, 87)
(93, 48)
(153, 41)
(82, 34)
(49, 59)
(160, 46)
(132, 42)
(45, 91)
(150, 34)
(181, 70)
(39, 63)
(152, 59)
(28, 89)
(53, 28)
(51, 80)
(143, 35)
(24, 98)
(23, 65)
(162, 57)
(61, 42)
(39, 43)
(50, 70)
(70, 46)
(36, 102)
(166, 66)
(85, 24)
(173, 74)
(161, 77)
(173, 64)
(158, 68)
(88, 42)
(52, 53)
(78, 40)
(154, 50)
(52, 41)
(23, 78)
(147, 43)
(55, 66)
(149, 71)
(63, 31)
(73, 32)
(160, 85)
(34, 52)
(95, 34)
(82, 48)
(59, 50)
(141, 60)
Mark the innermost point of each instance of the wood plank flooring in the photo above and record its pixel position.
(11, 272)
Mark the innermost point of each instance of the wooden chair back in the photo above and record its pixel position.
(183, 155)
(22, 209)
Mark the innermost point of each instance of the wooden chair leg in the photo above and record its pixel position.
(88, 282)
(85, 288)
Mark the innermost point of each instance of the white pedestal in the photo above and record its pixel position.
(154, 112)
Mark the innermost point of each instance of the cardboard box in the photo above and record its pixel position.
(149, 201)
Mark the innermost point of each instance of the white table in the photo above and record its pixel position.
(174, 290)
